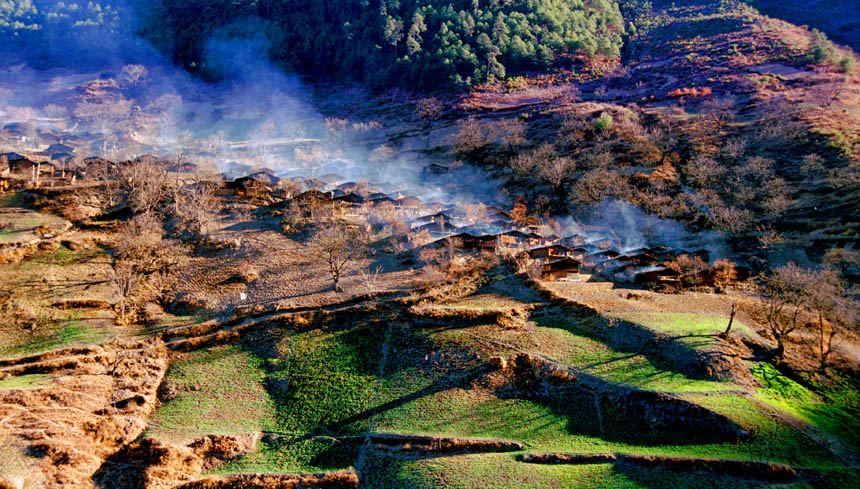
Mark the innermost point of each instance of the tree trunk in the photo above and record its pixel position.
(780, 349)
(731, 320)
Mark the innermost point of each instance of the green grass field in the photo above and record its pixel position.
(311, 389)
(25, 381)
(220, 390)
(52, 334)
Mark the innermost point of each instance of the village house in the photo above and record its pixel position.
(57, 148)
(352, 187)
(350, 198)
(265, 177)
(474, 242)
(559, 269)
(439, 217)
(573, 241)
(550, 252)
(408, 202)
(659, 276)
(630, 271)
(514, 239)
(382, 200)
(597, 258)
(436, 228)
(313, 184)
(186, 167)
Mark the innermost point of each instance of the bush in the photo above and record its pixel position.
(821, 50)
(847, 64)
(604, 122)
(515, 84)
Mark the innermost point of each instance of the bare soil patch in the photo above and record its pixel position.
(97, 401)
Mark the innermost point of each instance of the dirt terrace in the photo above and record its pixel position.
(82, 406)
(283, 273)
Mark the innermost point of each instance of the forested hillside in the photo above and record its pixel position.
(416, 43)
(50, 33)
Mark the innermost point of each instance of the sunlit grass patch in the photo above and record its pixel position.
(219, 390)
(50, 334)
(562, 340)
(25, 381)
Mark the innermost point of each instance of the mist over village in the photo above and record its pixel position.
(429, 244)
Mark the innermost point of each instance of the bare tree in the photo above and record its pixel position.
(429, 109)
(731, 320)
(718, 110)
(339, 244)
(124, 280)
(834, 306)
(135, 74)
(196, 206)
(147, 185)
(785, 298)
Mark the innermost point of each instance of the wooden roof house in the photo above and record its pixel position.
(559, 269)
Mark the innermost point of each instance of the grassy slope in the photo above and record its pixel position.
(333, 376)
(502, 471)
(220, 390)
(30, 285)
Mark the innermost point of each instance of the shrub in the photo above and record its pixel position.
(429, 108)
(847, 64)
(604, 122)
(821, 50)
(515, 84)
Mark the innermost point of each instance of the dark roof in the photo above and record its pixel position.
(607, 253)
(516, 234)
(313, 183)
(381, 200)
(14, 157)
(439, 216)
(312, 194)
(561, 264)
(409, 201)
(468, 239)
(59, 148)
(265, 177)
(644, 257)
(435, 227)
(436, 168)
(550, 248)
(348, 186)
(352, 198)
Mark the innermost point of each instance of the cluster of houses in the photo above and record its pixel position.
(491, 229)
(480, 227)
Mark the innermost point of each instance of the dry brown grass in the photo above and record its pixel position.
(98, 400)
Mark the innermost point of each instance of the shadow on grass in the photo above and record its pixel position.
(663, 352)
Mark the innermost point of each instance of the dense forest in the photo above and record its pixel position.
(49, 33)
(416, 43)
